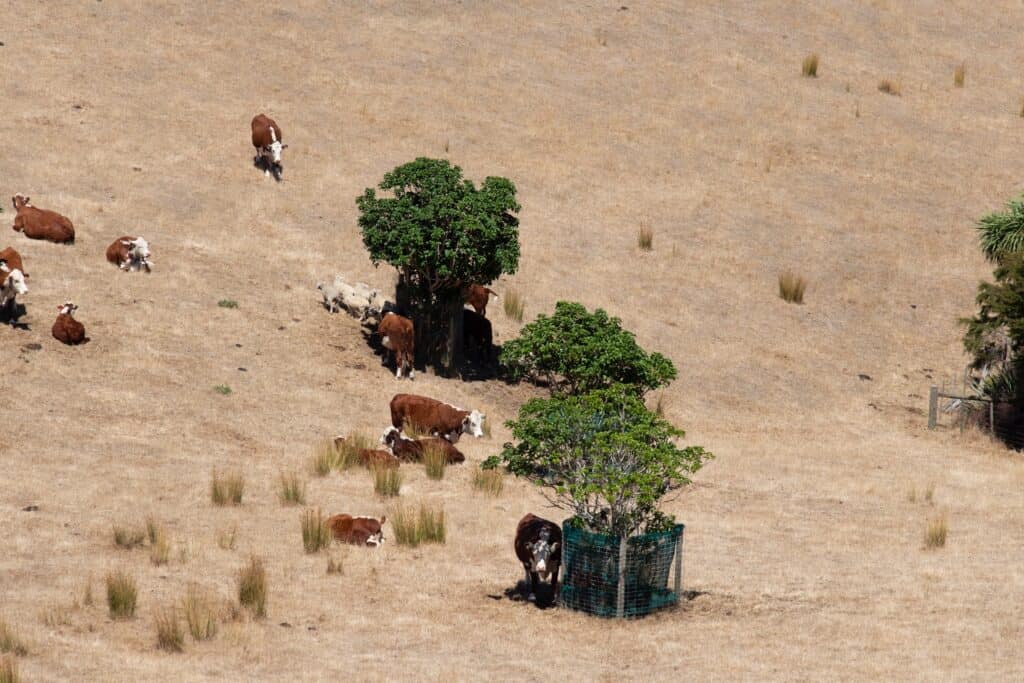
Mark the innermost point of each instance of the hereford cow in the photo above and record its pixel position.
(369, 457)
(267, 139)
(130, 253)
(367, 531)
(40, 224)
(477, 334)
(10, 260)
(539, 547)
(411, 450)
(478, 296)
(12, 283)
(435, 417)
(397, 335)
(66, 329)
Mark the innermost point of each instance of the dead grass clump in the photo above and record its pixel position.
(324, 458)
(228, 538)
(958, 76)
(935, 534)
(9, 670)
(56, 615)
(414, 526)
(160, 551)
(434, 461)
(315, 533)
(514, 304)
(291, 489)
(128, 537)
(10, 642)
(432, 526)
(912, 495)
(791, 287)
(200, 614)
(170, 637)
(227, 489)
(491, 482)
(889, 87)
(121, 595)
(645, 237)
(810, 66)
(387, 481)
(929, 493)
(334, 566)
(87, 598)
(348, 450)
(252, 587)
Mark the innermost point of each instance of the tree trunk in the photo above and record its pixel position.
(437, 325)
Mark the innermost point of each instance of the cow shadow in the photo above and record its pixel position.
(479, 365)
(545, 598)
(262, 164)
(11, 316)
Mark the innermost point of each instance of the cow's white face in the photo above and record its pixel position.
(387, 434)
(15, 281)
(140, 249)
(274, 150)
(68, 308)
(376, 540)
(541, 553)
(474, 424)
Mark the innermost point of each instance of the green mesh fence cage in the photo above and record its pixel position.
(592, 568)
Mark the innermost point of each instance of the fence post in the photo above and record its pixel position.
(620, 605)
(933, 406)
(679, 565)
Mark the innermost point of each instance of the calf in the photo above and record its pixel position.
(66, 329)
(477, 333)
(130, 253)
(12, 283)
(40, 224)
(10, 260)
(538, 546)
(369, 457)
(397, 334)
(267, 139)
(478, 296)
(435, 417)
(367, 531)
(411, 450)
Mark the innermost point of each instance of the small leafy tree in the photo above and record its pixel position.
(575, 351)
(442, 233)
(1001, 234)
(602, 456)
(995, 336)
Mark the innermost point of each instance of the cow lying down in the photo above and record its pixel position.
(365, 531)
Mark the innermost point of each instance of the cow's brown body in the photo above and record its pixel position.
(530, 531)
(10, 260)
(261, 135)
(478, 296)
(411, 450)
(427, 414)
(398, 335)
(40, 224)
(369, 457)
(67, 330)
(120, 254)
(357, 530)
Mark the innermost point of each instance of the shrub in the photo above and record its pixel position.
(434, 461)
(291, 489)
(515, 305)
(645, 238)
(413, 526)
(9, 670)
(994, 337)
(228, 537)
(490, 481)
(935, 534)
(889, 87)
(129, 537)
(958, 76)
(810, 66)
(315, 533)
(227, 303)
(223, 389)
(792, 287)
(10, 642)
(575, 351)
(387, 481)
(227, 489)
(200, 614)
(603, 456)
(252, 587)
(121, 595)
(170, 637)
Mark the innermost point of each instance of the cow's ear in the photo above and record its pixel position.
(383, 519)
(284, 146)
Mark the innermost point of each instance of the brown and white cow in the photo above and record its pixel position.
(478, 296)
(538, 546)
(10, 260)
(130, 253)
(397, 334)
(66, 329)
(435, 417)
(477, 334)
(367, 531)
(369, 457)
(40, 224)
(12, 283)
(267, 139)
(411, 450)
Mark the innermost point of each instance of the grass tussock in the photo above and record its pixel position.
(387, 481)
(435, 461)
(792, 287)
(929, 493)
(227, 303)
(227, 489)
(160, 550)
(514, 304)
(128, 537)
(200, 614)
(645, 238)
(121, 595)
(87, 599)
(335, 566)
(912, 495)
(413, 526)
(10, 642)
(170, 636)
(348, 450)
(291, 489)
(9, 670)
(935, 533)
(491, 482)
(315, 533)
(324, 458)
(809, 68)
(252, 587)
(889, 87)
(227, 538)
(56, 615)
(958, 76)
(222, 389)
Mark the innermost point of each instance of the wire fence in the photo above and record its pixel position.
(1003, 419)
(612, 577)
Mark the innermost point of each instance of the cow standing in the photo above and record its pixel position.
(268, 141)
(366, 531)
(40, 224)
(397, 335)
(435, 417)
(538, 546)
(66, 329)
(12, 283)
(478, 296)
(130, 253)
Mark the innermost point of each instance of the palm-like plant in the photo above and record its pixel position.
(1002, 233)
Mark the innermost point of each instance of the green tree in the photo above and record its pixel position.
(602, 456)
(575, 351)
(442, 233)
(1001, 234)
(995, 335)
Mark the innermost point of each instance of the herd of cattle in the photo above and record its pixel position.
(537, 542)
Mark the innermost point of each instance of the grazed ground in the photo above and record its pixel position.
(802, 548)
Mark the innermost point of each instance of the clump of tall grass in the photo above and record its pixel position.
(228, 537)
(315, 533)
(324, 458)
(160, 550)
(889, 87)
(9, 670)
(387, 481)
(128, 537)
(958, 76)
(252, 587)
(645, 237)
(10, 642)
(348, 450)
(121, 595)
(170, 637)
(335, 566)
(491, 482)
(792, 287)
(413, 526)
(291, 490)
(514, 304)
(56, 615)
(435, 461)
(227, 489)
(935, 533)
(809, 68)
(200, 614)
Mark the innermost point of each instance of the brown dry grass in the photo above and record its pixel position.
(200, 613)
(170, 636)
(799, 543)
(252, 587)
(809, 67)
(889, 87)
(122, 595)
(9, 672)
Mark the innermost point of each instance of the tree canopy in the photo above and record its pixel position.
(1001, 233)
(995, 335)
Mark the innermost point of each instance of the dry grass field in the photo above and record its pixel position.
(804, 551)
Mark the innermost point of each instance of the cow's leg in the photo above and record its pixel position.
(126, 264)
(533, 587)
